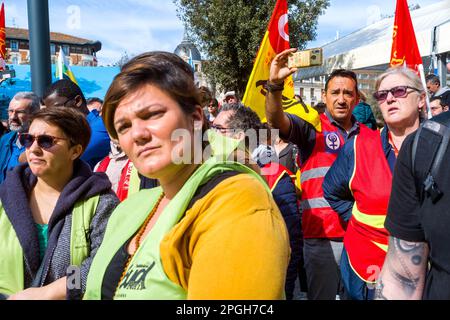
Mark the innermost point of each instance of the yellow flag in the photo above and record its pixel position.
(276, 40)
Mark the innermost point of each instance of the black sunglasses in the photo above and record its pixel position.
(397, 92)
(44, 141)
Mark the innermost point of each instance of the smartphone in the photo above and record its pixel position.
(305, 58)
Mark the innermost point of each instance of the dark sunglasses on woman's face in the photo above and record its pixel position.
(44, 141)
(397, 92)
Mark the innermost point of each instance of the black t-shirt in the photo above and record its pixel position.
(414, 220)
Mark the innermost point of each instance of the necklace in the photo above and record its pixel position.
(137, 240)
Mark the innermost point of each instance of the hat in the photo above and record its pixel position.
(230, 94)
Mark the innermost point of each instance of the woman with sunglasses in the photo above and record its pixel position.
(53, 211)
(358, 185)
(211, 230)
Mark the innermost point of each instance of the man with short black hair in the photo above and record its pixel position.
(323, 229)
(65, 93)
(20, 109)
(438, 105)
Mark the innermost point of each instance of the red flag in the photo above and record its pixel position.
(404, 45)
(278, 27)
(2, 38)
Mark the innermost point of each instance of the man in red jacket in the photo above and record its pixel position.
(323, 230)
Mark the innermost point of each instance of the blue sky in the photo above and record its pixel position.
(136, 26)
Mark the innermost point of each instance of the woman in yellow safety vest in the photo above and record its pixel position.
(211, 230)
(53, 211)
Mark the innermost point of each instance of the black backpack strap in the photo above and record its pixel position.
(211, 184)
(147, 183)
(414, 148)
(425, 178)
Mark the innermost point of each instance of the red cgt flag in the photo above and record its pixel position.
(2, 38)
(404, 45)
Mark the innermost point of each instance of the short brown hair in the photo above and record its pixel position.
(71, 121)
(164, 70)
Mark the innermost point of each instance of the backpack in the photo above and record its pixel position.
(431, 139)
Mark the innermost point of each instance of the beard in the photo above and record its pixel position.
(18, 127)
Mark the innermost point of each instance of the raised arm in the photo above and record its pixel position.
(404, 271)
(279, 71)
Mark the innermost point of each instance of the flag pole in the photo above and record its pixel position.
(39, 29)
(424, 84)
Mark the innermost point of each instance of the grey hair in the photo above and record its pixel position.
(243, 118)
(28, 95)
(407, 73)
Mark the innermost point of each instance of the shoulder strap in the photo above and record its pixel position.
(208, 186)
(37, 279)
(427, 184)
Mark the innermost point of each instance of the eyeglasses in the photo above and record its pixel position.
(397, 92)
(59, 104)
(221, 129)
(44, 141)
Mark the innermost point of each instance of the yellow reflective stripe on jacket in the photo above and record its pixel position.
(375, 221)
(383, 247)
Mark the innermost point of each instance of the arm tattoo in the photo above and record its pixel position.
(405, 277)
(405, 263)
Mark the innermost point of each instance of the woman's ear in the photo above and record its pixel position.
(76, 150)
(422, 102)
(78, 101)
(197, 115)
(198, 118)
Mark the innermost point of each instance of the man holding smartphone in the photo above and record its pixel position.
(323, 229)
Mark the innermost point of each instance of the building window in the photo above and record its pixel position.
(15, 60)
(66, 50)
(302, 92)
(14, 45)
(52, 49)
(312, 92)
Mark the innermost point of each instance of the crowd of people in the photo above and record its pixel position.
(161, 192)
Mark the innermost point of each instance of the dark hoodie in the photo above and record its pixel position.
(14, 195)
